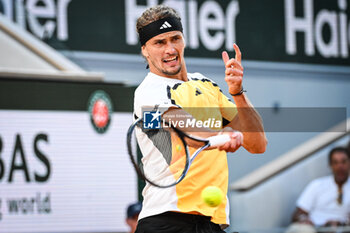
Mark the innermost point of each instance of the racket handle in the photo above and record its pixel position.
(219, 140)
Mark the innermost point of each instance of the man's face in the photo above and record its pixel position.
(164, 54)
(340, 165)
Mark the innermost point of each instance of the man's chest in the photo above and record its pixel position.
(332, 199)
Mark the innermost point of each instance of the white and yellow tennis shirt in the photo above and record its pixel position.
(203, 99)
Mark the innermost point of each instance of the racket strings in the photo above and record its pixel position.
(167, 156)
(168, 166)
(161, 139)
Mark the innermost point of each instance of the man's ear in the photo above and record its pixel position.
(144, 51)
(184, 40)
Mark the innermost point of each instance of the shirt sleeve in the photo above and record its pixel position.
(152, 99)
(307, 197)
(227, 107)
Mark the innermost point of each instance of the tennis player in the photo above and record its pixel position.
(171, 90)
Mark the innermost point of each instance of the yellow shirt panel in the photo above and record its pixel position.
(204, 100)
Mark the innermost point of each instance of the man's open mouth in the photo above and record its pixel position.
(171, 59)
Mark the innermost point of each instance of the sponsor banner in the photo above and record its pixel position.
(305, 31)
(59, 174)
(64, 166)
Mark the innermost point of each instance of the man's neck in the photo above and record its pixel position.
(182, 75)
(340, 182)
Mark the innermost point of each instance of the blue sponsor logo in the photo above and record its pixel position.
(151, 119)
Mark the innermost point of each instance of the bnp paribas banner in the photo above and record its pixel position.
(305, 31)
(63, 160)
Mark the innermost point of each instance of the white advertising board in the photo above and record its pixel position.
(58, 174)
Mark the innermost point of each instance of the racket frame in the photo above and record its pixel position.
(189, 159)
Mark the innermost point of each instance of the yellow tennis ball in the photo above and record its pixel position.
(212, 196)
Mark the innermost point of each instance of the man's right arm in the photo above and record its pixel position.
(301, 216)
(305, 204)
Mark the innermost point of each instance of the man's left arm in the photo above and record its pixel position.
(248, 121)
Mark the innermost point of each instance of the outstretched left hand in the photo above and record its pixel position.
(234, 70)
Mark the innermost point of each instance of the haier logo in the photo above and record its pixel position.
(43, 17)
(209, 23)
(312, 25)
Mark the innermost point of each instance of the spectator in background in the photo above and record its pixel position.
(325, 201)
(132, 215)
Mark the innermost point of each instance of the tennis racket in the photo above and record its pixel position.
(171, 157)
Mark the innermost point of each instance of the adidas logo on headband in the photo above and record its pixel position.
(165, 25)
